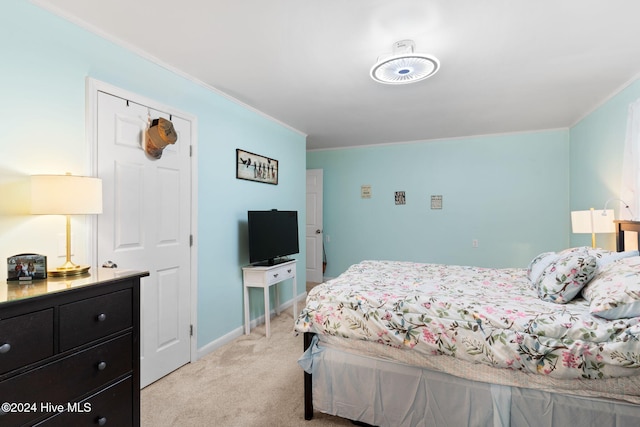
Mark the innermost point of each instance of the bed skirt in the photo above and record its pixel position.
(386, 393)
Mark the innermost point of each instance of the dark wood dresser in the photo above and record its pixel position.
(70, 350)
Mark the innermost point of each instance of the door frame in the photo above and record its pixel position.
(320, 253)
(92, 87)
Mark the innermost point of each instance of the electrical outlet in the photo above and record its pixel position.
(474, 243)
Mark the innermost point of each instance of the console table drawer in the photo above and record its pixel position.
(90, 319)
(25, 339)
(67, 379)
(281, 273)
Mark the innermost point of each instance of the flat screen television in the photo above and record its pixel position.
(272, 234)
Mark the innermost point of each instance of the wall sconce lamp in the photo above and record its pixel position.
(66, 195)
(626, 205)
(590, 222)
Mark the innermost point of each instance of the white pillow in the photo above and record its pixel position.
(615, 292)
(565, 277)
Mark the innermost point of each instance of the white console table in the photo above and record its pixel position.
(264, 277)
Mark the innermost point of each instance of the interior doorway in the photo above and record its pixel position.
(148, 220)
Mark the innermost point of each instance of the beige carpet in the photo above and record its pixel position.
(253, 381)
(310, 285)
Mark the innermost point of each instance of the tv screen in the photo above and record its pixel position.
(272, 234)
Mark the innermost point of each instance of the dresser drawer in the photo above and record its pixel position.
(93, 318)
(67, 379)
(281, 273)
(109, 407)
(25, 339)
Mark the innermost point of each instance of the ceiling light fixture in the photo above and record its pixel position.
(404, 66)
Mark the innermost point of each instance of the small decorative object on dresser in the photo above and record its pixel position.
(25, 267)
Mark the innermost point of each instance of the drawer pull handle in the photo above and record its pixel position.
(4, 348)
(102, 421)
(289, 271)
(275, 275)
(102, 366)
(102, 317)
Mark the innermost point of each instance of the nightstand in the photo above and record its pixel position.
(264, 277)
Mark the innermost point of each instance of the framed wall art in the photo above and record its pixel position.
(254, 167)
(27, 267)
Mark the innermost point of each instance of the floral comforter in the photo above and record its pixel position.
(482, 315)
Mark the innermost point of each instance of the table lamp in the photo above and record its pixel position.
(66, 195)
(593, 222)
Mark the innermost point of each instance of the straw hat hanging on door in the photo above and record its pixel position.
(159, 134)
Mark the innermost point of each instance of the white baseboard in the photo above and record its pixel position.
(238, 332)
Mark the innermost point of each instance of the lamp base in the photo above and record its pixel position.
(66, 271)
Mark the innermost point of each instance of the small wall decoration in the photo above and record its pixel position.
(436, 202)
(254, 167)
(25, 267)
(365, 191)
(400, 198)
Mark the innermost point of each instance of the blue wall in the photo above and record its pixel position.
(42, 81)
(510, 192)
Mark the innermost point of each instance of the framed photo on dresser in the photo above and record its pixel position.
(26, 267)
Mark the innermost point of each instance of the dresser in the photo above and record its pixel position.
(264, 277)
(70, 350)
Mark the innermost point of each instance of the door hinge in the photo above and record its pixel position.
(190, 239)
(190, 330)
(191, 151)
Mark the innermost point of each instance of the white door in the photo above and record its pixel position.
(145, 225)
(314, 225)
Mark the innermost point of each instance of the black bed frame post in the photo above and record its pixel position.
(619, 237)
(308, 396)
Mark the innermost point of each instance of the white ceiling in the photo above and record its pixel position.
(506, 65)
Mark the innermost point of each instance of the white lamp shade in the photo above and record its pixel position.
(65, 195)
(593, 221)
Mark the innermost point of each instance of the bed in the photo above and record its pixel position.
(391, 343)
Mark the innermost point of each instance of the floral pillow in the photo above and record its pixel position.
(538, 264)
(610, 257)
(615, 292)
(603, 256)
(565, 277)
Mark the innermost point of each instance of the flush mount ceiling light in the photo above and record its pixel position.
(404, 66)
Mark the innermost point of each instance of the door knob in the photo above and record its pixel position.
(318, 231)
